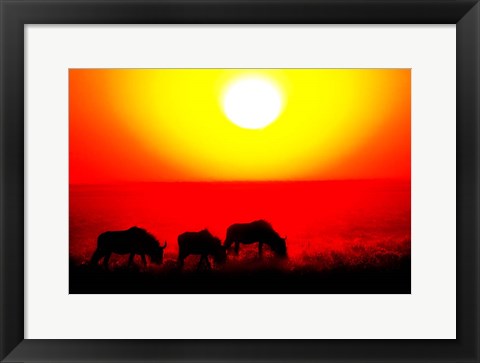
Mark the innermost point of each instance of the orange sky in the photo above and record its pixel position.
(169, 125)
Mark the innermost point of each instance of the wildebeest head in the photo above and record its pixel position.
(280, 247)
(152, 246)
(157, 254)
(220, 255)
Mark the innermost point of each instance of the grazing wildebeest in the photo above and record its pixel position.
(201, 243)
(258, 231)
(133, 241)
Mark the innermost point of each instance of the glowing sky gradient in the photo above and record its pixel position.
(168, 125)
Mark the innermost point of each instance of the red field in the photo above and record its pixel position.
(355, 222)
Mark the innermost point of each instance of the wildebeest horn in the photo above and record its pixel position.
(164, 246)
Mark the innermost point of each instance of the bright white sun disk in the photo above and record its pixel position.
(252, 103)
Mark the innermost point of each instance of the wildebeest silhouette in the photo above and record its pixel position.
(133, 241)
(258, 231)
(201, 243)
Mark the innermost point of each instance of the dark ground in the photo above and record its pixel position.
(268, 279)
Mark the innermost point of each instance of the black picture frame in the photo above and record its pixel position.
(15, 14)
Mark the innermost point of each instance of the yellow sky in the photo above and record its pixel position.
(156, 125)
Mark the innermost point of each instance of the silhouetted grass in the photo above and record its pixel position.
(332, 274)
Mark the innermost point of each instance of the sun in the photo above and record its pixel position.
(252, 103)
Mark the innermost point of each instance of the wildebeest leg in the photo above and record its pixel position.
(130, 259)
(200, 263)
(105, 260)
(97, 255)
(237, 247)
(260, 245)
(204, 262)
(180, 260)
(144, 260)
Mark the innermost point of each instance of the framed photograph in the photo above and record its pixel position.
(255, 180)
(240, 181)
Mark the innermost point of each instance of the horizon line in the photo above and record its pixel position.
(238, 181)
